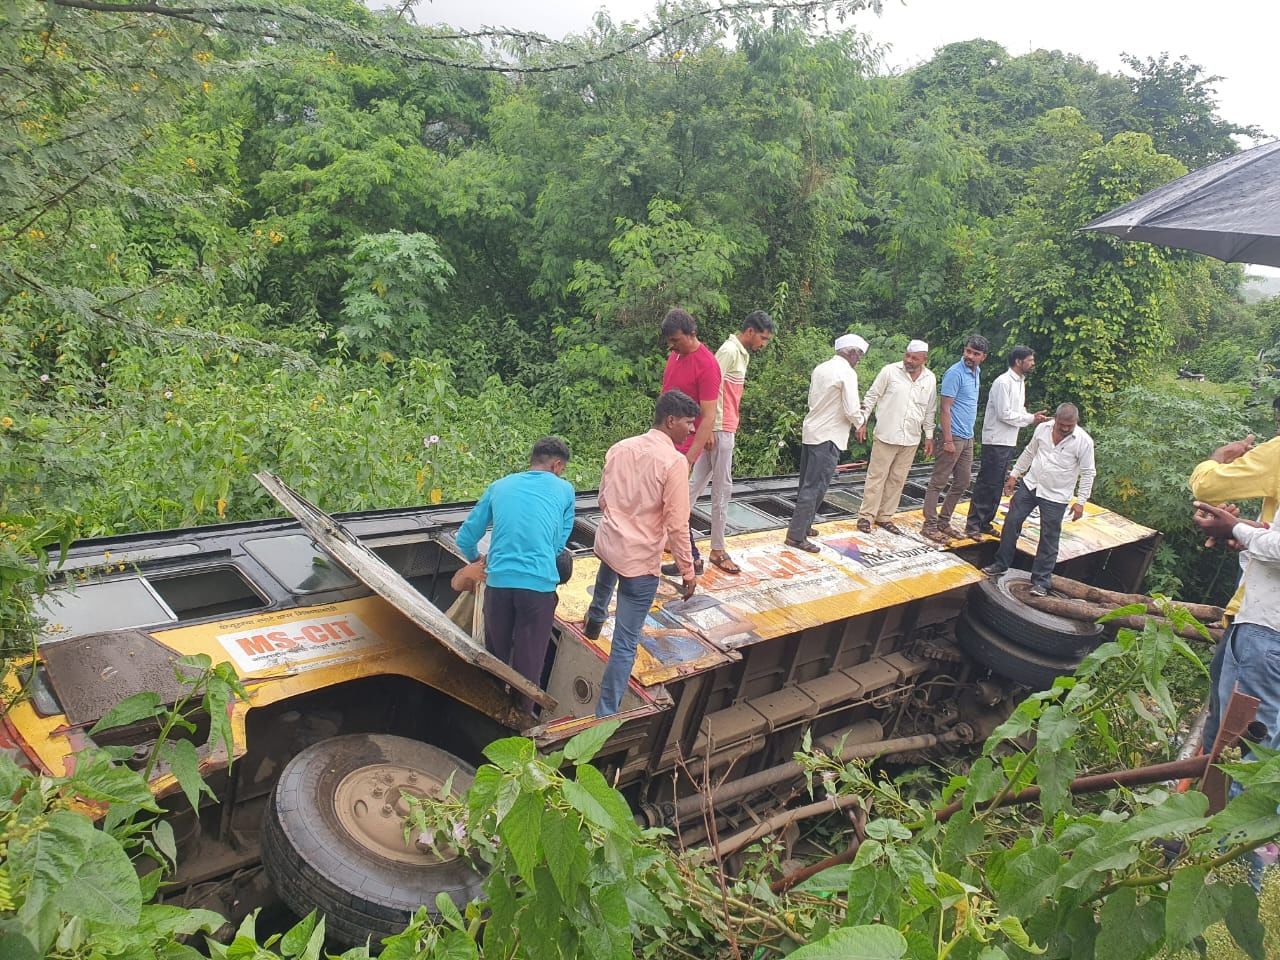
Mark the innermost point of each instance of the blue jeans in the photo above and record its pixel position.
(1251, 661)
(1051, 514)
(635, 597)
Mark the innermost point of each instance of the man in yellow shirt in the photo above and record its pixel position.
(1236, 471)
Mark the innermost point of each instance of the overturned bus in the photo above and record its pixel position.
(362, 689)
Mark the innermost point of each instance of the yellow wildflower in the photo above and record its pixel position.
(206, 86)
(35, 234)
(191, 164)
(135, 87)
(274, 236)
(6, 422)
(222, 507)
(202, 56)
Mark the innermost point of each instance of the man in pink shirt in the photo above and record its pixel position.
(693, 370)
(644, 496)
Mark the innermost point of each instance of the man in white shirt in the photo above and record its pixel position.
(834, 409)
(1058, 460)
(1006, 414)
(904, 398)
(1251, 647)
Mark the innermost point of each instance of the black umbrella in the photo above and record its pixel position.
(1229, 210)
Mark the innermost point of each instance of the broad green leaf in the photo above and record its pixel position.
(1243, 923)
(14, 946)
(296, 938)
(448, 911)
(521, 832)
(855, 943)
(1027, 879)
(510, 753)
(168, 921)
(1129, 930)
(592, 796)
(184, 763)
(831, 880)
(585, 745)
(103, 887)
(455, 945)
(11, 777)
(162, 836)
(1054, 773)
(1194, 903)
(140, 706)
(98, 778)
(483, 794)
(985, 781)
(1248, 818)
(962, 838)
(565, 852)
(872, 892)
(1011, 927)
(645, 908)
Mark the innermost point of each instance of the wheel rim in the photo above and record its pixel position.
(371, 806)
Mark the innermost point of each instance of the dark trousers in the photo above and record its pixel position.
(817, 467)
(992, 470)
(1051, 514)
(517, 630)
(950, 470)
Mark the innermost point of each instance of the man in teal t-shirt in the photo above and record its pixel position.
(531, 514)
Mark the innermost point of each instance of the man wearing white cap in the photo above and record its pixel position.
(834, 409)
(904, 398)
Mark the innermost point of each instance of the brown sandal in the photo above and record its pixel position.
(725, 562)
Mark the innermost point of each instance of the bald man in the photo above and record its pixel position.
(1057, 461)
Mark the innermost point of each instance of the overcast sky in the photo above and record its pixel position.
(1232, 38)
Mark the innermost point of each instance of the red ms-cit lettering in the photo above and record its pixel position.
(300, 640)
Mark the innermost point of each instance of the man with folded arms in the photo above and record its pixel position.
(904, 398)
(834, 409)
(1006, 414)
(644, 499)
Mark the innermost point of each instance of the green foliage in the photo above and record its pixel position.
(664, 262)
(386, 302)
(1088, 304)
(1150, 438)
(70, 888)
(1066, 880)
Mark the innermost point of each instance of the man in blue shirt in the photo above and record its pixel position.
(957, 415)
(531, 514)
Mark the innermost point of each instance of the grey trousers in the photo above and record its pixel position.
(817, 467)
(715, 466)
(954, 468)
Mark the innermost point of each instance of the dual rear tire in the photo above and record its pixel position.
(1017, 641)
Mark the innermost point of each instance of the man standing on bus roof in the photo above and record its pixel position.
(958, 414)
(531, 514)
(716, 463)
(644, 499)
(904, 398)
(1057, 461)
(1005, 415)
(692, 369)
(834, 409)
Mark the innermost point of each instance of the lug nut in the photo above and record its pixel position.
(386, 810)
(378, 791)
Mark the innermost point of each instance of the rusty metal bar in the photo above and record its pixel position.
(1239, 713)
(792, 769)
